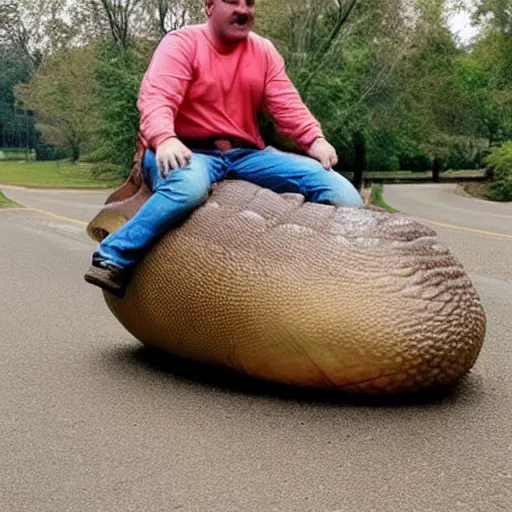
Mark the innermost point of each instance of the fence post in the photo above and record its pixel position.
(360, 159)
(436, 170)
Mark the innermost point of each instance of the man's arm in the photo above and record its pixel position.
(161, 93)
(291, 115)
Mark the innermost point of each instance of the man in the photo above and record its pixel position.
(198, 103)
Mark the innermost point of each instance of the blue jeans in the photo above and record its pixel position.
(186, 188)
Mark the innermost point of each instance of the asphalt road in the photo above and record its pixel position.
(80, 205)
(440, 203)
(91, 422)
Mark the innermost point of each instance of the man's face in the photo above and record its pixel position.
(232, 20)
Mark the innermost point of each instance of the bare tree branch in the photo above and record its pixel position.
(322, 54)
(120, 14)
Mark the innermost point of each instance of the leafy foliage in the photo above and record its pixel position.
(500, 159)
(119, 72)
(68, 120)
(14, 69)
(388, 81)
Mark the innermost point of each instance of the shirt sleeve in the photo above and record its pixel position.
(163, 87)
(284, 104)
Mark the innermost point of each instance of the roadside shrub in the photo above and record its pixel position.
(415, 161)
(464, 153)
(108, 171)
(119, 73)
(501, 192)
(100, 154)
(48, 152)
(500, 160)
(389, 151)
(382, 151)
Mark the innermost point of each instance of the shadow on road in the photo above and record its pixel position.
(162, 366)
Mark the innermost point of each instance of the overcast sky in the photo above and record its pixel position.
(460, 25)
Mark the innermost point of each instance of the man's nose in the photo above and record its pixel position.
(243, 8)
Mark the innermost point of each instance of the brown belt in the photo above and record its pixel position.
(222, 144)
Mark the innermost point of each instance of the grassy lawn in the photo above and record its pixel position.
(60, 174)
(7, 203)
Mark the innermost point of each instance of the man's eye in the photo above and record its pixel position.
(250, 3)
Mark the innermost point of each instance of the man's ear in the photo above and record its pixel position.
(208, 7)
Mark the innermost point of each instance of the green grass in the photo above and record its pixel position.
(377, 199)
(7, 203)
(60, 174)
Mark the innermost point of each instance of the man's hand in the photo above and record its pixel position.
(172, 154)
(322, 151)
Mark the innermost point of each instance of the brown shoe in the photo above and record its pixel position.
(109, 277)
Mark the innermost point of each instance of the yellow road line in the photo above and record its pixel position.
(462, 228)
(67, 219)
(55, 216)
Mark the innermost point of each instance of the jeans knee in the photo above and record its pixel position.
(196, 191)
(352, 199)
(340, 191)
(348, 195)
(186, 187)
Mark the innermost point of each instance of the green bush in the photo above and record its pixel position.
(415, 161)
(412, 158)
(501, 192)
(388, 151)
(102, 154)
(108, 171)
(48, 152)
(500, 160)
(382, 151)
(119, 73)
(465, 153)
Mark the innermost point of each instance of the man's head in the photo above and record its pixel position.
(230, 20)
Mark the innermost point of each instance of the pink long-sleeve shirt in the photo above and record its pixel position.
(194, 89)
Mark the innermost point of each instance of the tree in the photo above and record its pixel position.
(119, 14)
(307, 33)
(493, 51)
(14, 68)
(62, 93)
(496, 14)
(34, 27)
(422, 126)
(119, 74)
(341, 56)
(121, 63)
(167, 15)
